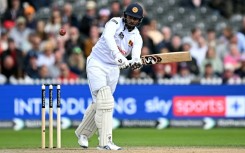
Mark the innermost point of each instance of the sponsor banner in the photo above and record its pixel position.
(161, 123)
(24, 102)
(230, 123)
(132, 102)
(212, 106)
(235, 106)
(199, 106)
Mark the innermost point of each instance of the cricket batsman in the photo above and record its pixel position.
(120, 38)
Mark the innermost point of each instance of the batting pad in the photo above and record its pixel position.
(103, 116)
(87, 126)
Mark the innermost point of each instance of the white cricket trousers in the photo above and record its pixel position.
(100, 75)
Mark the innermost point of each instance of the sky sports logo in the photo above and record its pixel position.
(213, 106)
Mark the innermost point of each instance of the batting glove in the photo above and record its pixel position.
(121, 61)
(136, 64)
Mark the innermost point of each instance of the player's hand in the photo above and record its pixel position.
(136, 64)
(121, 61)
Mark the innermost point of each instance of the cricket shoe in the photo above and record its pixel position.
(83, 141)
(109, 146)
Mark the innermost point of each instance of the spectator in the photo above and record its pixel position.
(88, 19)
(184, 72)
(241, 70)
(211, 38)
(235, 38)
(167, 35)
(196, 33)
(15, 10)
(222, 47)
(8, 67)
(239, 40)
(103, 18)
(161, 72)
(3, 41)
(60, 44)
(35, 41)
(20, 34)
(40, 30)
(8, 25)
(216, 62)
(115, 9)
(194, 69)
(54, 24)
(15, 54)
(31, 68)
(3, 6)
(73, 41)
(29, 13)
(76, 62)
(90, 42)
(233, 57)
(43, 72)
(175, 44)
(66, 74)
(229, 75)
(35, 49)
(147, 41)
(137, 75)
(209, 72)
(197, 44)
(68, 16)
(200, 52)
(125, 4)
(154, 33)
(54, 70)
(28, 44)
(47, 56)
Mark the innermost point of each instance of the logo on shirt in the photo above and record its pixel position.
(130, 43)
(113, 20)
(121, 35)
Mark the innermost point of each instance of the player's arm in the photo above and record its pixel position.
(136, 62)
(109, 32)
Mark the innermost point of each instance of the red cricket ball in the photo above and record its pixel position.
(62, 32)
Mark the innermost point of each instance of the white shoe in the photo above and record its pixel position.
(109, 146)
(83, 141)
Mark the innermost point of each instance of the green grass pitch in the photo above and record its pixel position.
(131, 137)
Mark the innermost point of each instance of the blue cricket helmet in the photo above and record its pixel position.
(134, 10)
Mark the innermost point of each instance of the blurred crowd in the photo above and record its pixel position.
(31, 48)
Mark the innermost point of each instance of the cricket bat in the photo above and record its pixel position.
(172, 57)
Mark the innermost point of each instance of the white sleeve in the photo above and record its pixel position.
(138, 43)
(109, 32)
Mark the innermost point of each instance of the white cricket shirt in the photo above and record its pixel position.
(116, 38)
